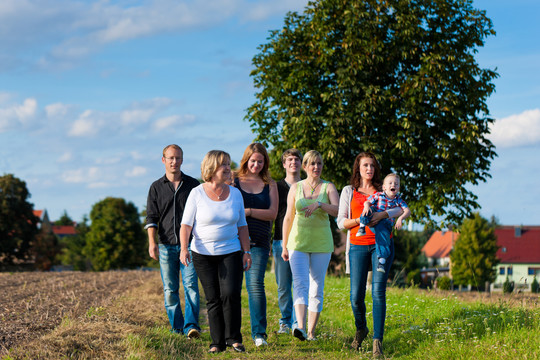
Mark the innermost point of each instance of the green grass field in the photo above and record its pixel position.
(419, 325)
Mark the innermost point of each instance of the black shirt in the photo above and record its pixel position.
(283, 192)
(165, 207)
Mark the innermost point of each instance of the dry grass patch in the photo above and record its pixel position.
(94, 311)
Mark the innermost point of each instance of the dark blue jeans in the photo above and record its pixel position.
(256, 293)
(221, 278)
(382, 232)
(170, 268)
(363, 258)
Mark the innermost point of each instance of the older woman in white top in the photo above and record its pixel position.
(215, 215)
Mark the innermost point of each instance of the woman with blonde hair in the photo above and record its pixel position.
(307, 241)
(214, 215)
(260, 196)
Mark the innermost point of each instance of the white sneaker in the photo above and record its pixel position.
(284, 329)
(260, 342)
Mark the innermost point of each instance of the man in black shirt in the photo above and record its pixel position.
(165, 206)
(292, 163)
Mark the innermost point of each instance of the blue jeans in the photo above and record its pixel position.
(256, 294)
(170, 268)
(382, 232)
(363, 258)
(284, 284)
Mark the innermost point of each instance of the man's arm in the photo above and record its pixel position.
(153, 248)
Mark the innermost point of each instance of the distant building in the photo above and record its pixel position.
(60, 231)
(437, 248)
(519, 253)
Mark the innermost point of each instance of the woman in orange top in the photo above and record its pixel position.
(361, 256)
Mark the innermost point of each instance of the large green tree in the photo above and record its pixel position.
(395, 77)
(18, 225)
(115, 239)
(473, 257)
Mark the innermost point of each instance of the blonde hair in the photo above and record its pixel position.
(212, 160)
(310, 156)
(392, 175)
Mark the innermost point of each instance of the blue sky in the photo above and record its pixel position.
(91, 91)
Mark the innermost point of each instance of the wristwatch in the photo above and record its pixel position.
(247, 252)
(319, 203)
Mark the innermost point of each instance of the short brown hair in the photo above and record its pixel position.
(291, 152)
(212, 160)
(174, 146)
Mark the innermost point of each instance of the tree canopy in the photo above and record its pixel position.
(473, 257)
(18, 225)
(394, 77)
(115, 239)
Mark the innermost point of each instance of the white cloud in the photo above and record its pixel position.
(57, 110)
(169, 122)
(86, 125)
(517, 130)
(65, 157)
(15, 115)
(84, 175)
(67, 30)
(98, 185)
(136, 171)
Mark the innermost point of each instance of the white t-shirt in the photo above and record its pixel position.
(215, 223)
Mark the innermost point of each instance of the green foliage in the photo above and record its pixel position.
(444, 283)
(18, 225)
(535, 287)
(408, 249)
(73, 253)
(473, 257)
(392, 77)
(508, 286)
(115, 239)
(414, 278)
(45, 250)
(64, 220)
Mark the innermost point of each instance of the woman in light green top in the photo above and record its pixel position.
(307, 241)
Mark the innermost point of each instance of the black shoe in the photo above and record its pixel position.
(358, 338)
(300, 334)
(214, 350)
(239, 348)
(380, 268)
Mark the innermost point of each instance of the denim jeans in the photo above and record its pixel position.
(170, 268)
(221, 278)
(283, 272)
(363, 258)
(256, 293)
(382, 232)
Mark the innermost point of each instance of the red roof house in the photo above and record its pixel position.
(437, 248)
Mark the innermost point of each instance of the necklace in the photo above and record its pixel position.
(313, 188)
(218, 196)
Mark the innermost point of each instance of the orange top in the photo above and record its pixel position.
(357, 205)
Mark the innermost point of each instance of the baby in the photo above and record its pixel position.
(381, 201)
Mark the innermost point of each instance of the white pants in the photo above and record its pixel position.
(308, 271)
